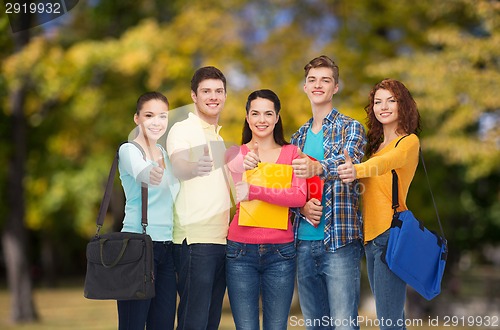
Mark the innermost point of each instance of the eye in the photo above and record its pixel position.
(377, 102)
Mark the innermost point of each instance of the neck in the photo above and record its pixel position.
(210, 120)
(390, 133)
(265, 143)
(320, 111)
(144, 141)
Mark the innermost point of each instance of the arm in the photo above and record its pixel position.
(136, 166)
(185, 169)
(355, 141)
(179, 150)
(295, 196)
(393, 159)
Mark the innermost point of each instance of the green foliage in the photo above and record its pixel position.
(84, 80)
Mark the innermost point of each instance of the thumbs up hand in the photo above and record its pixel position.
(252, 159)
(155, 175)
(346, 171)
(304, 167)
(205, 163)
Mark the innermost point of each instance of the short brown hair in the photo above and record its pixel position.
(323, 61)
(205, 73)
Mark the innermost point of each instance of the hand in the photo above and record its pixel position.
(346, 171)
(252, 159)
(155, 175)
(312, 210)
(304, 167)
(205, 163)
(242, 191)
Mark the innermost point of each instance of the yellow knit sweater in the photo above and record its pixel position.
(376, 179)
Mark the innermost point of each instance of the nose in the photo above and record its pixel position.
(155, 120)
(213, 95)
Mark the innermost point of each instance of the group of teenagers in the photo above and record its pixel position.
(199, 251)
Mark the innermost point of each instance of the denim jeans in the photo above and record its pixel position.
(159, 312)
(329, 284)
(388, 289)
(201, 284)
(260, 269)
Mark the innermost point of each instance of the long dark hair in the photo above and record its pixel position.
(408, 116)
(267, 94)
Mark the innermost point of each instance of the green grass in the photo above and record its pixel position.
(66, 308)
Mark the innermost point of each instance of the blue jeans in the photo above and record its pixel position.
(159, 312)
(388, 289)
(260, 269)
(201, 284)
(329, 284)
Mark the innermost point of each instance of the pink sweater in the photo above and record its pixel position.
(295, 196)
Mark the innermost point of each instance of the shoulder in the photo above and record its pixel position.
(128, 147)
(180, 126)
(302, 129)
(343, 121)
(234, 150)
(129, 152)
(291, 151)
(408, 141)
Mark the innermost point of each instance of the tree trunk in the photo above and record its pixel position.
(14, 237)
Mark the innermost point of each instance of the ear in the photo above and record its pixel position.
(136, 119)
(336, 88)
(305, 88)
(194, 97)
(277, 118)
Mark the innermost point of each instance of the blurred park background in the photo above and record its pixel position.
(67, 96)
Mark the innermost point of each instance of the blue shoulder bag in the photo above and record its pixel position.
(414, 253)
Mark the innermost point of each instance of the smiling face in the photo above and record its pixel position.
(152, 119)
(209, 99)
(385, 107)
(262, 117)
(320, 86)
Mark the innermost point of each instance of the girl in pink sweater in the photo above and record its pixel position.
(261, 261)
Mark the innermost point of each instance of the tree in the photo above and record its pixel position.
(14, 235)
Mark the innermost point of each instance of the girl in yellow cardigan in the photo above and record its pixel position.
(393, 122)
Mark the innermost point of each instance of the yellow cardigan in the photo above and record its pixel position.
(376, 183)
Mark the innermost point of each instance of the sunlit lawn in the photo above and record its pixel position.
(66, 308)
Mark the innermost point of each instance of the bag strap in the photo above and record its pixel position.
(109, 188)
(395, 189)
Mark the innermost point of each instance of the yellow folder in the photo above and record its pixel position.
(257, 213)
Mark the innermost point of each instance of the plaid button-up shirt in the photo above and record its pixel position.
(341, 209)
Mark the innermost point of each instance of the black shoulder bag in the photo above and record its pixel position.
(120, 265)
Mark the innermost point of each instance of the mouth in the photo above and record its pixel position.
(261, 127)
(385, 114)
(212, 105)
(318, 92)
